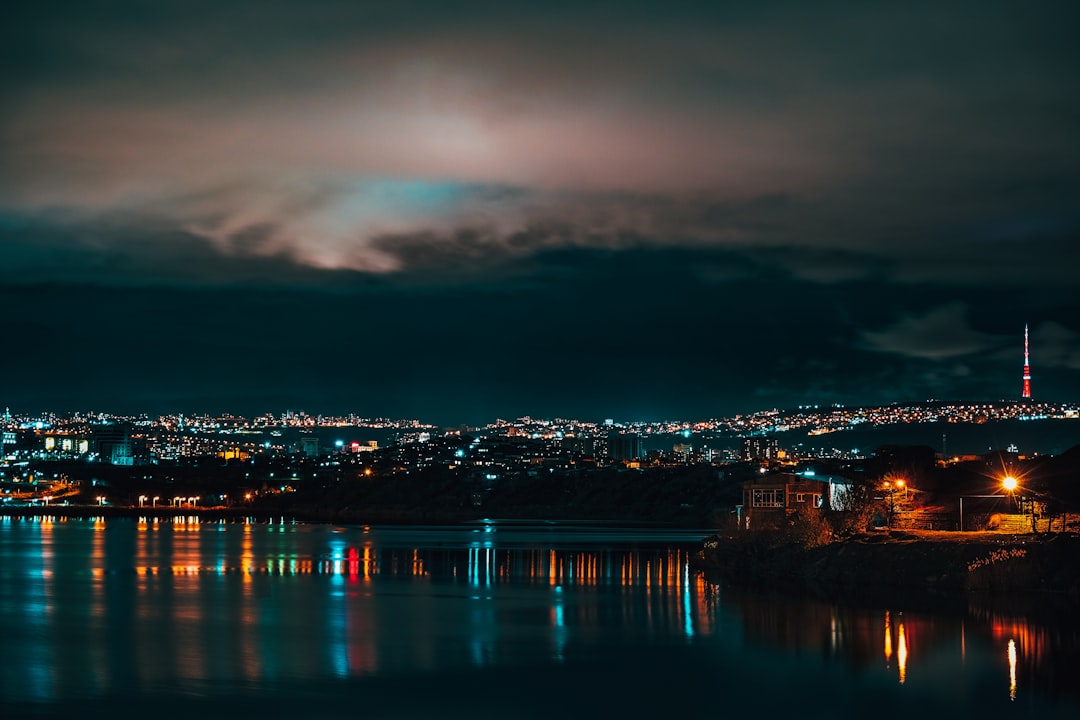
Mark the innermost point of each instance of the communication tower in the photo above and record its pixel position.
(1027, 367)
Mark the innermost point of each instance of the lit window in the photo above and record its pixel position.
(768, 498)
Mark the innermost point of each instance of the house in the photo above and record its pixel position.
(768, 500)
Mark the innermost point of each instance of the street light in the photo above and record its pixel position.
(891, 486)
(1010, 483)
(892, 504)
(142, 500)
(153, 503)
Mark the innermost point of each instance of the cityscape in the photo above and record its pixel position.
(195, 461)
(503, 360)
(143, 440)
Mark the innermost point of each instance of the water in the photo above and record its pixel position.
(189, 619)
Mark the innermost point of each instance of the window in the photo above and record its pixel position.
(800, 497)
(768, 498)
(817, 500)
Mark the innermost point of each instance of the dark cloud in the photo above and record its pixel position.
(129, 252)
(633, 332)
(941, 333)
(1057, 346)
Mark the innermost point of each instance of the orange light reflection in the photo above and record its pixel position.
(901, 652)
(1012, 669)
(888, 639)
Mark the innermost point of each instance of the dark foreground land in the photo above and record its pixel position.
(884, 563)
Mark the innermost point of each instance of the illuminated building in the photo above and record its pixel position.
(65, 444)
(769, 500)
(759, 448)
(115, 444)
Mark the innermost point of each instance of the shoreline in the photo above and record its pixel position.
(880, 564)
(404, 519)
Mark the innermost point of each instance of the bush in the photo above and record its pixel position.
(809, 529)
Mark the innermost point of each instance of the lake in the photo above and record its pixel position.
(182, 618)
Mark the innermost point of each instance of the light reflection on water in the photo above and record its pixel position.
(159, 602)
(90, 608)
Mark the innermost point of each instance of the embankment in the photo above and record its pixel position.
(881, 563)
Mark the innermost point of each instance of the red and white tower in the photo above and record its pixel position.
(1027, 367)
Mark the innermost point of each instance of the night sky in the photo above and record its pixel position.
(464, 211)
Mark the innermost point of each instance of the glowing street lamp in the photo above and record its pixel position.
(142, 500)
(891, 487)
(1010, 483)
(153, 502)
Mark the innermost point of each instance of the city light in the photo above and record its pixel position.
(1009, 483)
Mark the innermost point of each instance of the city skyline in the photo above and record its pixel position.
(955, 432)
(582, 210)
(814, 419)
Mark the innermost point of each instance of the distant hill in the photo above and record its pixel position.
(1031, 437)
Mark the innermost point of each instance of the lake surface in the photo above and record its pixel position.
(196, 619)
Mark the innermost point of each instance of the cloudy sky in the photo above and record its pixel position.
(463, 211)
